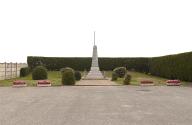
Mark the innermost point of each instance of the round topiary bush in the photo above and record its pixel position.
(77, 75)
(114, 76)
(24, 71)
(120, 71)
(39, 73)
(68, 76)
(127, 79)
(66, 69)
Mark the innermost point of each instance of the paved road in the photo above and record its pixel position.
(96, 105)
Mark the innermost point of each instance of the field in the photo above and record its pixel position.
(55, 78)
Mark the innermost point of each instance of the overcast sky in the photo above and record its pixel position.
(64, 28)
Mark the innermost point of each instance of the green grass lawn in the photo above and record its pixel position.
(55, 78)
(137, 77)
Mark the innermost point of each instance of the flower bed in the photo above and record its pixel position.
(43, 83)
(146, 82)
(173, 82)
(19, 83)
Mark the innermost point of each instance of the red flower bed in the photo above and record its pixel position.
(146, 82)
(19, 82)
(44, 82)
(173, 81)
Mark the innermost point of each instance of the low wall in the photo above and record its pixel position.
(10, 70)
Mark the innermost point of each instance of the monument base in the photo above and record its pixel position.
(94, 74)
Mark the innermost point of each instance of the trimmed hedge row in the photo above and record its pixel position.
(172, 66)
(56, 63)
(84, 63)
(137, 64)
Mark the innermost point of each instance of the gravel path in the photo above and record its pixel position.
(96, 105)
(96, 83)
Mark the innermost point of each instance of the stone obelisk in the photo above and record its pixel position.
(94, 73)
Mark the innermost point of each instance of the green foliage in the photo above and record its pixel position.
(81, 64)
(66, 69)
(68, 76)
(24, 71)
(77, 75)
(120, 71)
(136, 64)
(173, 66)
(39, 73)
(127, 79)
(114, 76)
(56, 63)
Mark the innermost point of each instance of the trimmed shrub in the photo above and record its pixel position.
(120, 71)
(39, 73)
(114, 76)
(77, 75)
(68, 76)
(127, 79)
(24, 71)
(66, 69)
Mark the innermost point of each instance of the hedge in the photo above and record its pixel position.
(56, 63)
(177, 66)
(84, 63)
(137, 64)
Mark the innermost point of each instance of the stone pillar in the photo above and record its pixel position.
(94, 73)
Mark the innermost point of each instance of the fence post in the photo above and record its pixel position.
(16, 70)
(5, 70)
(11, 71)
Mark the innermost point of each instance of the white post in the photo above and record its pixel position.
(11, 71)
(5, 70)
(16, 70)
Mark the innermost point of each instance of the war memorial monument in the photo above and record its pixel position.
(94, 73)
